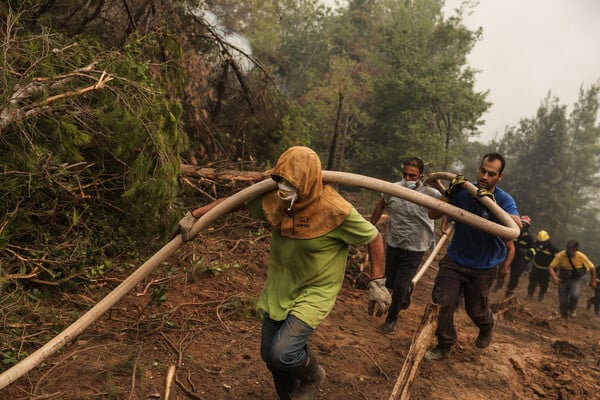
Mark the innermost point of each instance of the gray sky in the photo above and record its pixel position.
(530, 47)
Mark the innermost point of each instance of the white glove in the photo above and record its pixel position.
(185, 225)
(379, 295)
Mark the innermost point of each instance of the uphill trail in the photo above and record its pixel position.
(207, 327)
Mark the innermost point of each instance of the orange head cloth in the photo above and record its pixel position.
(319, 208)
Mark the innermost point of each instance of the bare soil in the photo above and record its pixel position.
(208, 329)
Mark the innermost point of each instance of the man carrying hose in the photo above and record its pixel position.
(311, 228)
(474, 258)
(409, 236)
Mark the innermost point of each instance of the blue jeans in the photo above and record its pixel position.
(283, 347)
(283, 343)
(569, 291)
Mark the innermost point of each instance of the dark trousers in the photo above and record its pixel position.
(400, 268)
(517, 268)
(538, 277)
(452, 278)
(284, 347)
(595, 301)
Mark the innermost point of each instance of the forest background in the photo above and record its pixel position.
(103, 101)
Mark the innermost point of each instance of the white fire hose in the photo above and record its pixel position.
(507, 229)
(432, 255)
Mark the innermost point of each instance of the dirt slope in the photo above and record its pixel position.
(207, 327)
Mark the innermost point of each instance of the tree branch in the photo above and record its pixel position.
(10, 116)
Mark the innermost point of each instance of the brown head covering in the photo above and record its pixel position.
(318, 210)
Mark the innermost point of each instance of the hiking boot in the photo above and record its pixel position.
(310, 376)
(389, 326)
(285, 383)
(573, 314)
(308, 389)
(485, 335)
(438, 353)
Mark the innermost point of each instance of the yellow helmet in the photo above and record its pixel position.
(542, 236)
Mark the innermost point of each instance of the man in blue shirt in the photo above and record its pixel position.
(474, 258)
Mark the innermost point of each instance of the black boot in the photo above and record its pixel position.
(541, 297)
(310, 376)
(285, 383)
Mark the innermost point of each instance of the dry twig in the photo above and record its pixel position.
(59, 363)
(376, 364)
(134, 369)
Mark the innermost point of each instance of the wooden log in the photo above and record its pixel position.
(420, 343)
(231, 175)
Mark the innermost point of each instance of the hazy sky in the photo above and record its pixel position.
(530, 47)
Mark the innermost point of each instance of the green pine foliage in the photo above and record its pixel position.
(88, 173)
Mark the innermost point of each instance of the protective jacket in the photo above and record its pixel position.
(544, 255)
(319, 208)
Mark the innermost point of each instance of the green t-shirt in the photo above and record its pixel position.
(305, 275)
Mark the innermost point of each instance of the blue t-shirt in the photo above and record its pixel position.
(472, 247)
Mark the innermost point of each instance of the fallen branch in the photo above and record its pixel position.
(376, 364)
(505, 305)
(169, 382)
(224, 174)
(69, 356)
(172, 372)
(418, 347)
(137, 358)
(35, 272)
(10, 117)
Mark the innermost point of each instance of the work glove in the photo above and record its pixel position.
(484, 193)
(379, 295)
(184, 226)
(454, 186)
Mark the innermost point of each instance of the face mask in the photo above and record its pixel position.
(409, 184)
(287, 192)
(571, 252)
